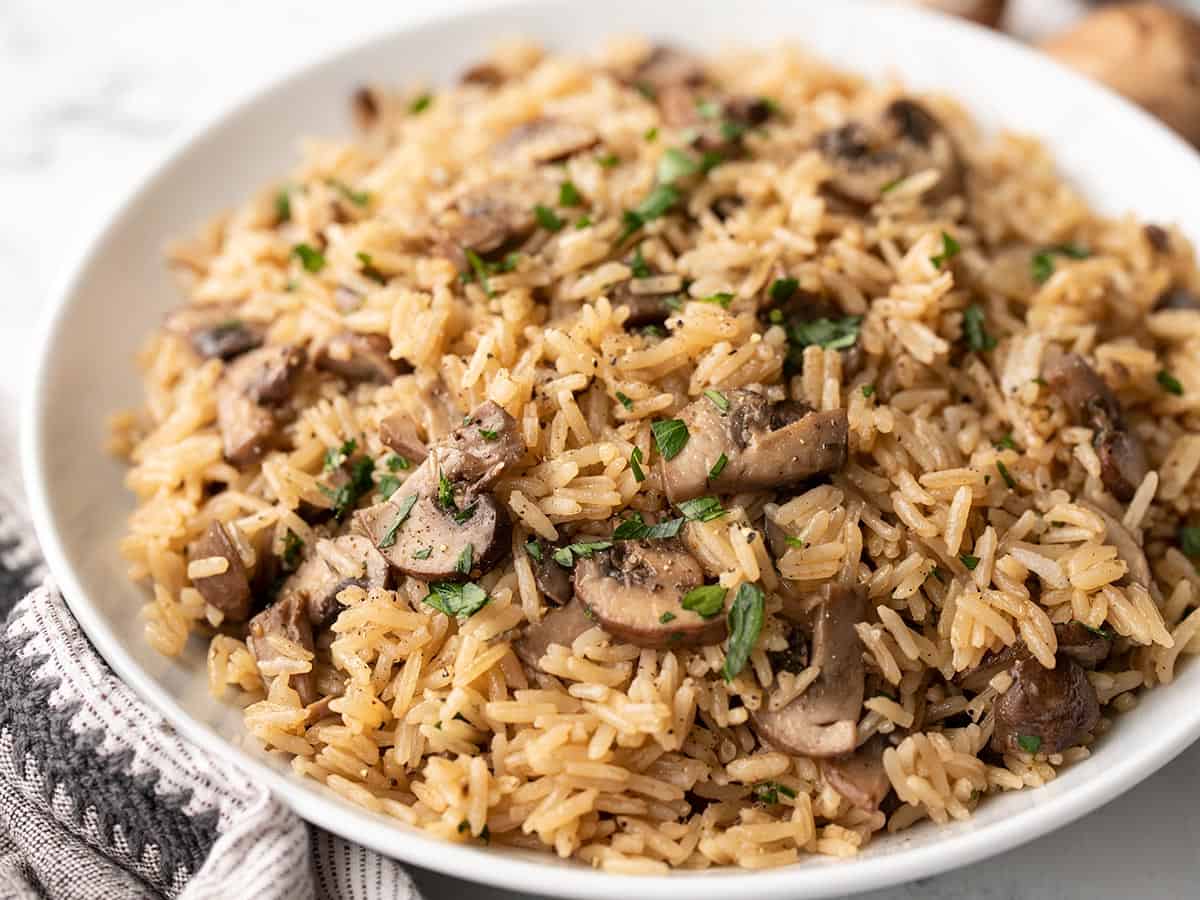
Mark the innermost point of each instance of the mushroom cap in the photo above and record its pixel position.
(859, 777)
(250, 390)
(631, 587)
(288, 618)
(1128, 549)
(558, 626)
(357, 357)
(545, 140)
(766, 446)
(823, 721)
(1058, 706)
(335, 565)
(398, 432)
(230, 590)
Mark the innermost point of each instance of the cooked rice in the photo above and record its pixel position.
(639, 760)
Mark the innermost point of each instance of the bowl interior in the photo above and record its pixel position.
(1119, 157)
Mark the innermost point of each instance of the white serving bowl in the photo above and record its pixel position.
(118, 291)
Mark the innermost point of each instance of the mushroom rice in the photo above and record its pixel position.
(668, 461)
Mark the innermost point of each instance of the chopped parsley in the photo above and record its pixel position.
(389, 536)
(719, 400)
(547, 218)
(651, 134)
(950, 249)
(1099, 632)
(368, 269)
(387, 485)
(868, 390)
(1006, 442)
(658, 201)
(635, 529)
(423, 553)
(358, 198)
(445, 494)
(1042, 263)
(481, 269)
(768, 792)
(702, 509)
(707, 600)
(293, 548)
(831, 334)
(635, 463)
(792, 541)
(463, 515)
(1189, 541)
(670, 435)
(312, 260)
(666, 617)
(488, 435)
(969, 561)
(973, 329)
(1004, 473)
(745, 623)
(462, 600)
(892, 185)
(397, 463)
(335, 457)
(346, 495)
(708, 109)
(420, 104)
(937, 573)
(465, 560)
(783, 289)
(624, 401)
(283, 206)
(566, 556)
(718, 467)
(1030, 743)
(608, 160)
(568, 194)
(583, 222)
(653, 331)
(676, 164)
(722, 299)
(638, 264)
(534, 549)
(1169, 383)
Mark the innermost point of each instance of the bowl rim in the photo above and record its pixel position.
(811, 877)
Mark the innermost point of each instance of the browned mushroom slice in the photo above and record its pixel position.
(1085, 646)
(249, 392)
(434, 543)
(399, 432)
(485, 73)
(1177, 298)
(215, 331)
(672, 78)
(823, 721)
(228, 591)
(485, 218)
(552, 580)
(364, 106)
(334, 566)
(1045, 710)
(859, 173)
(480, 450)
(636, 589)
(977, 678)
(766, 445)
(558, 626)
(644, 309)
(287, 618)
(545, 140)
(924, 144)
(358, 357)
(859, 777)
(1091, 402)
(1129, 549)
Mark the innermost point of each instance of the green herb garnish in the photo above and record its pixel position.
(659, 201)
(387, 485)
(635, 463)
(1042, 263)
(336, 456)
(719, 400)
(283, 206)
(465, 560)
(568, 194)
(950, 249)
(651, 134)
(638, 264)
(346, 496)
(793, 541)
(293, 547)
(666, 617)
(745, 623)
(624, 401)
(358, 198)
(1189, 541)
(547, 218)
(702, 509)
(312, 260)
(969, 561)
(445, 494)
(1169, 383)
(635, 529)
(868, 390)
(389, 536)
(566, 556)
(423, 553)
(397, 463)
(670, 435)
(831, 334)
(973, 328)
(675, 164)
(534, 549)
(718, 467)
(368, 269)
(1004, 473)
(583, 222)
(462, 600)
(488, 435)
(768, 792)
(1006, 442)
(1030, 743)
(420, 104)
(707, 600)
(721, 299)
(608, 160)
(783, 289)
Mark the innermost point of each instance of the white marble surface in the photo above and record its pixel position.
(93, 94)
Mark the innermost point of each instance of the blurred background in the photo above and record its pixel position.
(97, 92)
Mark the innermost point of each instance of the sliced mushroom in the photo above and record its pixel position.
(399, 432)
(335, 565)
(1091, 402)
(766, 445)
(636, 589)
(215, 332)
(1129, 549)
(859, 173)
(287, 618)
(644, 309)
(859, 777)
(1057, 707)
(358, 357)
(364, 107)
(558, 626)
(545, 140)
(1177, 298)
(485, 218)
(249, 395)
(552, 580)
(453, 523)
(794, 657)
(228, 591)
(1083, 645)
(1158, 238)
(672, 78)
(823, 721)
(485, 73)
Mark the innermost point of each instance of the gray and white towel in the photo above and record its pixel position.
(100, 799)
